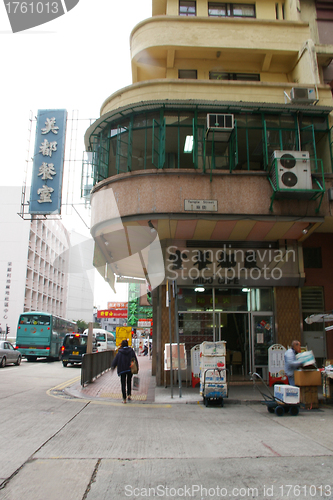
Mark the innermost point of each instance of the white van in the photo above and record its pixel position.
(105, 340)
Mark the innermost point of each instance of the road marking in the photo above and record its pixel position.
(66, 384)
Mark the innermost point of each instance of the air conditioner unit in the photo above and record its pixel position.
(219, 127)
(291, 170)
(220, 122)
(303, 95)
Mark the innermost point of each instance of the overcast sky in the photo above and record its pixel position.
(73, 62)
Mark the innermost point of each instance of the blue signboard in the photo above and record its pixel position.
(48, 165)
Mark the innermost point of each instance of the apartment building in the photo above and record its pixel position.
(212, 176)
(36, 266)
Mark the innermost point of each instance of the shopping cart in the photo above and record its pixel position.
(273, 403)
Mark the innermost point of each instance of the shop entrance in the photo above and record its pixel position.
(241, 317)
(197, 327)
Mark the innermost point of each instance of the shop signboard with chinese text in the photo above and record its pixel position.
(112, 313)
(117, 305)
(145, 323)
(48, 165)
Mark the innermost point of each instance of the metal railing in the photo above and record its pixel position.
(95, 364)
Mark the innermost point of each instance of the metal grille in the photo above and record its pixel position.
(312, 299)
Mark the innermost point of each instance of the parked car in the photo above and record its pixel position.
(74, 347)
(8, 354)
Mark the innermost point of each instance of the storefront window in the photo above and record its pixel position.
(190, 299)
(226, 299)
(195, 328)
(231, 299)
(261, 299)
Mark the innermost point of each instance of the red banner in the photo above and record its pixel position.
(112, 313)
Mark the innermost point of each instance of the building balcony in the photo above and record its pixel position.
(165, 201)
(163, 43)
(165, 192)
(174, 90)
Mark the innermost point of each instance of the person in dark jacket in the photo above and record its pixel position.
(123, 361)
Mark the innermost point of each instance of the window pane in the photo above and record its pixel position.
(190, 300)
(249, 77)
(243, 10)
(217, 9)
(312, 258)
(218, 75)
(188, 73)
(187, 8)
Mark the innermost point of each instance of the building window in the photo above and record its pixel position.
(190, 74)
(218, 75)
(217, 9)
(187, 8)
(312, 258)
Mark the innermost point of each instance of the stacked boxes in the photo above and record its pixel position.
(309, 397)
(213, 375)
(307, 377)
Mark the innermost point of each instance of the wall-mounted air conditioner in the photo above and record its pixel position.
(303, 95)
(219, 127)
(219, 121)
(291, 170)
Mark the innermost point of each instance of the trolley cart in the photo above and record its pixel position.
(214, 387)
(275, 404)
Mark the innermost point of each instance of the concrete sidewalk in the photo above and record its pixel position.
(107, 388)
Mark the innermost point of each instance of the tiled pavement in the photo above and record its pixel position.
(107, 386)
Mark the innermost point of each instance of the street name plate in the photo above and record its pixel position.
(201, 205)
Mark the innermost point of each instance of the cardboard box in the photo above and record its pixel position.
(212, 362)
(214, 348)
(307, 377)
(309, 397)
(287, 393)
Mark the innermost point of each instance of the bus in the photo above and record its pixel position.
(105, 340)
(40, 335)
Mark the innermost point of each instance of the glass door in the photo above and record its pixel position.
(263, 337)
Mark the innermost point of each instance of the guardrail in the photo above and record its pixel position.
(95, 364)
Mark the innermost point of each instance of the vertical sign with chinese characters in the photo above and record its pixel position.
(7, 290)
(47, 172)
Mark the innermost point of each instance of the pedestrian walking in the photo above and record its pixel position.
(290, 362)
(123, 361)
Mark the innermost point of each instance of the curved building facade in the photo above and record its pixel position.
(212, 178)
